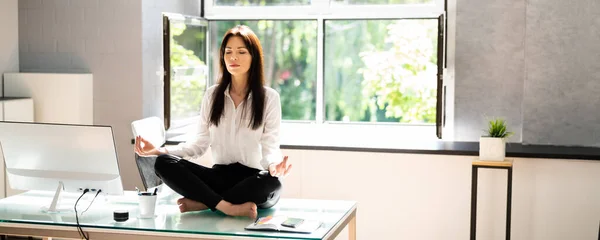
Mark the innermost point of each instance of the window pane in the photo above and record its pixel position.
(290, 62)
(261, 2)
(381, 70)
(374, 2)
(188, 70)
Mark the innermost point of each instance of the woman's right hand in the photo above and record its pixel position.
(144, 148)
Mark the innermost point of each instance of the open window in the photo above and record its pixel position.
(382, 71)
(440, 109)
(185, 45)
(367, 67)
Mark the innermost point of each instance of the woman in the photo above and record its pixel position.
(239, 119)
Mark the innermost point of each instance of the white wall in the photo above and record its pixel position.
(90, 36)
(9, 51)
(412, 192)
(491, 204)
(9, 42)
(428, 196)
(556, 199)
(119, 42)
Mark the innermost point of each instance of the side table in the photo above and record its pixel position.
(507, 164)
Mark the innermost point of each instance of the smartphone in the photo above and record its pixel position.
(292, 222)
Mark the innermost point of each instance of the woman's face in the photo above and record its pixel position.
(237, 57)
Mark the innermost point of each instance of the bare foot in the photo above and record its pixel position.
(247, 209)
(187, 205)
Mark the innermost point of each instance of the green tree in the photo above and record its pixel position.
(403, 77)
(289, 49)
(375, 70)
(261, 2)
(382, 1)
(359, 57)
(187, 80)
(345, 40)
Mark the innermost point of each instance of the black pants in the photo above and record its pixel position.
(234, 183)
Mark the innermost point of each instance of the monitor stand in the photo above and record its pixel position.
(53, 208)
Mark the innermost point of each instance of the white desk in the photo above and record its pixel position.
(21, 215)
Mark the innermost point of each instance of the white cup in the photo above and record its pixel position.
(147, 205)
(147, 223)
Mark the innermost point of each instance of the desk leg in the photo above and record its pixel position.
(508, 202)
(352, 228)
(474, 202)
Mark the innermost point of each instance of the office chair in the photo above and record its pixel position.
(153, 130)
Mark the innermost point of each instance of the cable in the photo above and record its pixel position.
(81, 233)
(79, 230)
(99, 190)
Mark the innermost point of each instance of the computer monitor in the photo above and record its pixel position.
(60, 157)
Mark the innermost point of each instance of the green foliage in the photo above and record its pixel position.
(289, 53)
(497, 128)
(306, 2)
(388, 75)
(374, 70)
(382, 1)
(404, 77)
(261, 2)
(187, 83)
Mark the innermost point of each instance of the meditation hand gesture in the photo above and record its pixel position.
(280, 170)
(144, 148)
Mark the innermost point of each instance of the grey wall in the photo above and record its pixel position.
(102, 37)
(9, 42)
(152, 55)
(533, 63)
(562, 89)
(489, 69)
(119, 42)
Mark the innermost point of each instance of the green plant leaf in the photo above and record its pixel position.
(497, 128)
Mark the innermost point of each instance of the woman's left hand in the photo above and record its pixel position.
(280, 170)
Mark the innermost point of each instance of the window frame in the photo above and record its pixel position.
(167, 19)
(321, 10)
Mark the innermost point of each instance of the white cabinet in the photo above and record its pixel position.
(16, 109)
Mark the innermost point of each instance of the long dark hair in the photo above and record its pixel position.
(256, 78)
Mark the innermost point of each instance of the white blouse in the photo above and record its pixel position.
(233, 141)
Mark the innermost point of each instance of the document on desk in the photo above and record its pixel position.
(276, 223)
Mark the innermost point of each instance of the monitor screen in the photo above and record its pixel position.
(44, 156)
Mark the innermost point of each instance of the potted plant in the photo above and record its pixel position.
(492, 146)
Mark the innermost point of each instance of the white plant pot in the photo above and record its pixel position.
(492, 149)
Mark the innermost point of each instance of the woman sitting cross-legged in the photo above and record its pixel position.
(239, 120)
